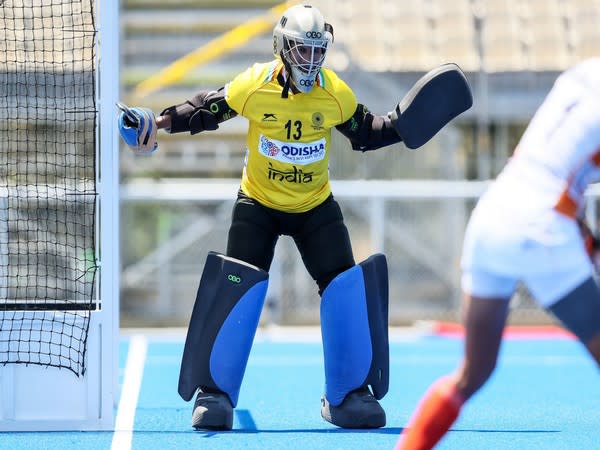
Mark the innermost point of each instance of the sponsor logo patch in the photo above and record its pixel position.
(301, 153)
(234, 278)
(269, 117)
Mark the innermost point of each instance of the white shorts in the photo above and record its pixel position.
(500, 249)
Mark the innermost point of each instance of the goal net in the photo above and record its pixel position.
(49, 195)
(47, 181)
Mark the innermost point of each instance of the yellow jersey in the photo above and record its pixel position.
(289, 139)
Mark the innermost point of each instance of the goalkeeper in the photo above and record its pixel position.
(292, 104)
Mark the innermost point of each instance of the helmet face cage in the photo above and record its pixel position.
(305, 55)
(300, 40)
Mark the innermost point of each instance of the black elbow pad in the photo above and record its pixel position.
(202, 112)
(180, 115)
(203, 120)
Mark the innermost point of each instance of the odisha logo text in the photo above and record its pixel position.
(293, 150)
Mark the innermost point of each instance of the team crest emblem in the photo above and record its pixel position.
(317, 120)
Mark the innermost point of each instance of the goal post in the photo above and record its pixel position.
(59, 214)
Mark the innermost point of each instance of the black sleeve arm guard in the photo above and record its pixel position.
(367, 131)
(203, 112)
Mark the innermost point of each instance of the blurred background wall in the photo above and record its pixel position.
(176, 204)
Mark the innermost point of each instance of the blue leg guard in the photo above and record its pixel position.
(222, 327)
(354, 328)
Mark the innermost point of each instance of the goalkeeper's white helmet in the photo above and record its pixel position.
(300, 40)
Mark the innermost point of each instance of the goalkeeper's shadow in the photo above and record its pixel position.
(390, 430)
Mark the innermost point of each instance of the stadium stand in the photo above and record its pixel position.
(427, 24)
(521, 42)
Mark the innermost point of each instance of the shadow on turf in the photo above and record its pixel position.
(391, 430)
(505, 431)
(247, 425)
(394, 431)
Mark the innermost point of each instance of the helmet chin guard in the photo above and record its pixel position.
(300, 40)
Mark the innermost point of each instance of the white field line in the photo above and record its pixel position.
(134, 370)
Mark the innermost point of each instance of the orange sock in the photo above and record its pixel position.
(437, 411)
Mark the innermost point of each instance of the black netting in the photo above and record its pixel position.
(47, 181)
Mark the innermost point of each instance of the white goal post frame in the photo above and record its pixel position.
(39, 398)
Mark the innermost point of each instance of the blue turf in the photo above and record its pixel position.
(544, 395)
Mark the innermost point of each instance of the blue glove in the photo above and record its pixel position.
(139, 135)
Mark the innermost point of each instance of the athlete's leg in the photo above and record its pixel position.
(220, 334)
(484, 317)
(579, 311)
(484, 322)
(225, 316)
(253, 233)
(354, 326)
(324, 243)
(353, 319)
(593, 346)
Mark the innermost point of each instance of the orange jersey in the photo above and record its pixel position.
(289, 139)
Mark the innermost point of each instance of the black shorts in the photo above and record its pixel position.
(320, 235)
(579, 310)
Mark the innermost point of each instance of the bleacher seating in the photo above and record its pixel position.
(454, 33)
(528, 40)
(382, 35)
(584, 19)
